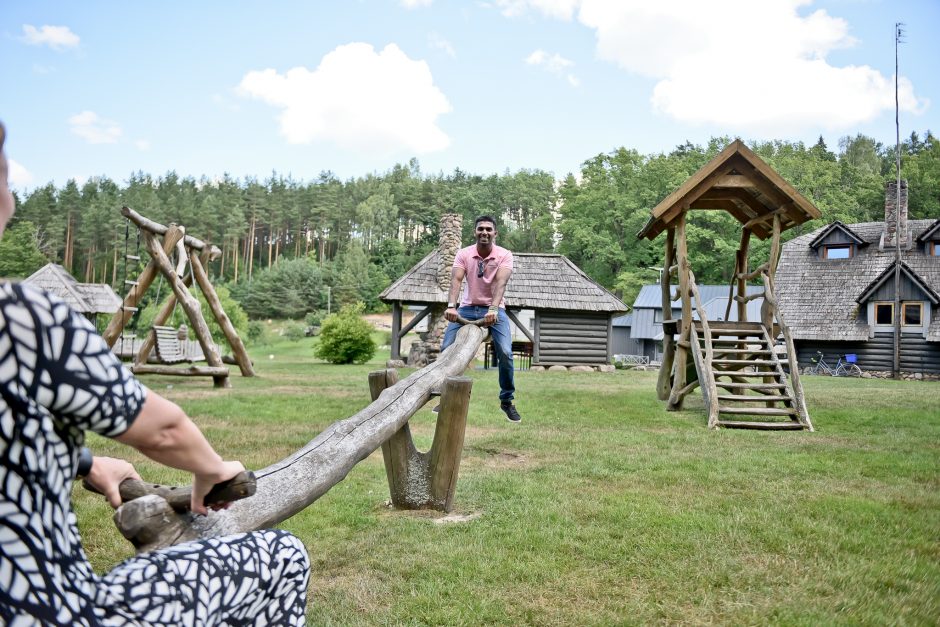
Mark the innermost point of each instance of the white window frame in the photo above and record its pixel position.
(848, 247)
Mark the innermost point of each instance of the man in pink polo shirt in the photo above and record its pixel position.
(487, 268)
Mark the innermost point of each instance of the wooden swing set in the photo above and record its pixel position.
(163, 340)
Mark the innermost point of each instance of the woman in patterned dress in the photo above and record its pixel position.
(58, 379)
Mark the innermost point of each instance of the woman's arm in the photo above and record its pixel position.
(164, 433)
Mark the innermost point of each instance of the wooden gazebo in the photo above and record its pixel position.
(739, 356)
(89, 299)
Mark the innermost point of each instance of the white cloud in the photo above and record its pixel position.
(414, 4)
(439, 43)
(357, 98)
(554, 63)
(18, 175)
(142, 145)
(759, 66)
(56, 37)
(93, 129)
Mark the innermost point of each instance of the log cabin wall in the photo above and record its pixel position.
(876, 354)
(568, 338)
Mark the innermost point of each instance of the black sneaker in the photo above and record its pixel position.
(511, 414)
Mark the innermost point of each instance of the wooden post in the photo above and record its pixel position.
(215, 306)
(399, 452)
(742, 263)
(682, 353)
(426, 480)
(447, 447)
(664, 382)
(190, 306)
(123, 315)
(396, 330)
(162, 316)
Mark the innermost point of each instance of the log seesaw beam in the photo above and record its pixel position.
(287, 487)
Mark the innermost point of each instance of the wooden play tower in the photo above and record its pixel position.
(744, 383)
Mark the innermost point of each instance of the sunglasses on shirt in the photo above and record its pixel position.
(481, 266)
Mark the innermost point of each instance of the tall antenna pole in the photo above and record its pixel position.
(898, 32)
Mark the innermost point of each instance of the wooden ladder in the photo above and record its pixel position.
(751, 389)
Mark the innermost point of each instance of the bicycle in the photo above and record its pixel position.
(820, 366)
(848, 368)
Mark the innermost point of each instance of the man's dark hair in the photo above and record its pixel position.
(484, 219)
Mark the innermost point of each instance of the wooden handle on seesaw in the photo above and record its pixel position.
(238, 487)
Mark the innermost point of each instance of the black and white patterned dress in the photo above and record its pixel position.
(58, 378)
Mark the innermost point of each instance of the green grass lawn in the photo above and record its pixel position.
(601, 507)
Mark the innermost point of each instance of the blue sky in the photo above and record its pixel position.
(246, 88)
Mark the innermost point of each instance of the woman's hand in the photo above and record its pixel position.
(202, 483)
(106, 475)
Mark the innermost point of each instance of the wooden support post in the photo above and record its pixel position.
(396, 330)
(123, 315)
(742, 263)
(426, 480)
(215, 306)
(664, 382)
(682, 354)
(162, 316)
(190, 306)
(447, 446)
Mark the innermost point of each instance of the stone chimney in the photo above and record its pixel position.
(447, 247)
(895, 208)
(427, 350)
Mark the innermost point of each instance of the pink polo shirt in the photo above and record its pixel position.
(478, 290)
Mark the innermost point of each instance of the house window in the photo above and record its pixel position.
(933, 249)
(657, 315)
(912, 314)
(837, 251)
(884, 313)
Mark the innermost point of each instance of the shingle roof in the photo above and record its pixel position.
(539, 281)
(82, 297)
(818, 296)
(739, 182)
(832, 227)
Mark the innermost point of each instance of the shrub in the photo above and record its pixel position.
(294, 332)
(314, 318)
(346, 338)
(257, 332)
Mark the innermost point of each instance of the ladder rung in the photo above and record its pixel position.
(758, 411)
(130, 308)
(129, 282)
(745, 362)
(132, 257)
(758, 398)
(741, 351)
(746, 373)
(756, 341)
(750, 386)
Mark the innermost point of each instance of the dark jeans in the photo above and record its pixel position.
(502, 345)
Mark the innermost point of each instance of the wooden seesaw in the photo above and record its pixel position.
(416, 480)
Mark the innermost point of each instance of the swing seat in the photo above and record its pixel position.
(167, 344)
